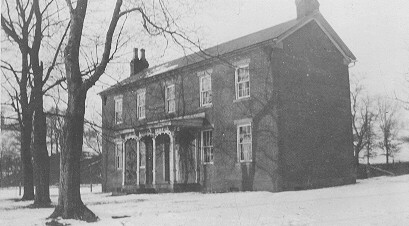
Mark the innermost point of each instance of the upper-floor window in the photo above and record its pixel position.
(118, 155)
(242, 81)
(207, 146)
(205, 88)
(140, 104)
(118, 109)
(244, 142)
(170, 98)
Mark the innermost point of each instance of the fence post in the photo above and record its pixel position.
(19, 189)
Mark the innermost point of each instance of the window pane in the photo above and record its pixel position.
(140, 97)
(206, 83)
(171, 105)
(242, 74)
(244, 143)
(207, 146)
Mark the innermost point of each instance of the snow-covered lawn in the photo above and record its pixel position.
(376, 201)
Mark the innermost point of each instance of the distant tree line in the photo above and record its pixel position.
(376, 125)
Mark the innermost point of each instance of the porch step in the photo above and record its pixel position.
(187, 187)
(160, 188)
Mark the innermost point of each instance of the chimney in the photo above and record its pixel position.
(133, 61)
(306, 7)
(135, 53)
(138, 64)
(142, 54)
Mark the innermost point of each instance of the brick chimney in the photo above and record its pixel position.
(138, 64)
(306, 7)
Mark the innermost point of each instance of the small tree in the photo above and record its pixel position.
(389, 126)
(370, 142)
(363, 118)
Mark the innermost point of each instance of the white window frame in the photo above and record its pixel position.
(119, 155)
(237, 83)
(169, 100)
(202, 76)
(140, 107)
(247, 157)
(204, 148)
(118, 103)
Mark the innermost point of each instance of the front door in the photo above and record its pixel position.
(131, 162)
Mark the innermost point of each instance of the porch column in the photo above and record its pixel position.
(196, 150)
(154, 159)
(123, 163)
(137, 162)
(177, 164)
(171, 165)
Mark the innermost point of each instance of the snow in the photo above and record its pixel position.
(161, 69)
(375, 201)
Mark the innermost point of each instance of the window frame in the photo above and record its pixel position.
(237, 83)
(244, 160)
(118, 110)
(204, 75)
(141, 108)
(202, 147)
(168, 100)
(119, 154)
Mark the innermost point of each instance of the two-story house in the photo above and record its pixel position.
(267, 111)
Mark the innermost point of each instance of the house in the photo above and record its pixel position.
(267, 111)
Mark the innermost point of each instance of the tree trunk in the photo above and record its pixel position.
(356, 157)
(41, 158)
(25, 152)
(70, 204)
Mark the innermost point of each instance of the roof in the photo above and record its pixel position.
(278, 32)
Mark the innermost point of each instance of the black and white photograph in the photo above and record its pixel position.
(204, 113)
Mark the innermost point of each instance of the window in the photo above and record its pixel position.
(140, 104)
(118, 156)
(244, 143)
(207, 147)
(118, 109)
(170, 98)
(205, 88)
(142, 155)
(242, 82)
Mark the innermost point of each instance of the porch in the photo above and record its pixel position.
(162, 156)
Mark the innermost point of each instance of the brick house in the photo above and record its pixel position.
(269, 111)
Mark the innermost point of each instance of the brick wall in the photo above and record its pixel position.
(315, 131)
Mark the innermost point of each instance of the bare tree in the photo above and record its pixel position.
(80, 81)
(370, 141)
(20, 96)
(389, 125)
(363, 118)
(28, 29)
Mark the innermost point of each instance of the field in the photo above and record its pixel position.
(375, 201)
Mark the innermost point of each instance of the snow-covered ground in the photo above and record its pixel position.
(376, 201)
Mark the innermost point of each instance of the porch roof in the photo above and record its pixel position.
(190, 121)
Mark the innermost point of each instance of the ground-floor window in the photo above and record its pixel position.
(207, 146)
(244, 143)
(118, 155)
